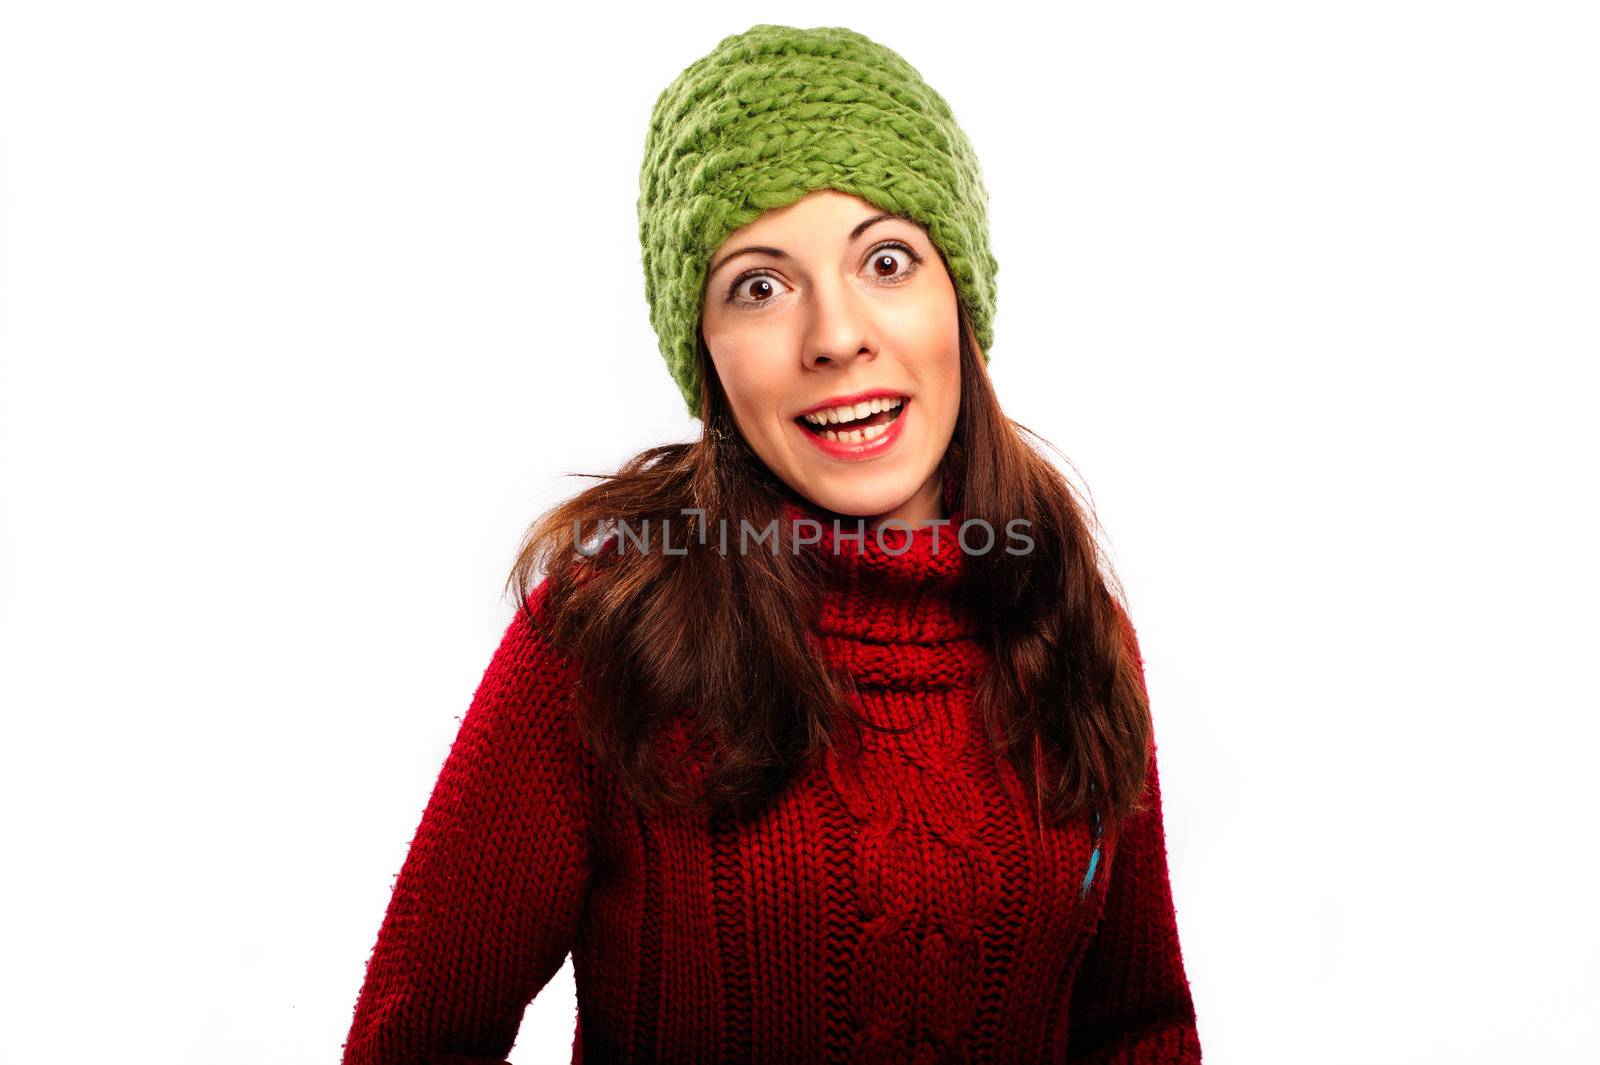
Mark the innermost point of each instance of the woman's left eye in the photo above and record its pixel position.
(883, 259)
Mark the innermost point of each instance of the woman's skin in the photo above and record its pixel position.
(820, 314)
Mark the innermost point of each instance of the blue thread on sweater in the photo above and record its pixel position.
(1094, 859)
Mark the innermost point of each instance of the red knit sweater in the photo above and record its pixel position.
(898, 906)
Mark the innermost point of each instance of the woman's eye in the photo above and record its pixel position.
(753, 288)
(884, 262)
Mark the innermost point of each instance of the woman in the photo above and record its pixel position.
(822, 737)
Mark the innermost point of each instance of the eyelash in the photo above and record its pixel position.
(911, 253)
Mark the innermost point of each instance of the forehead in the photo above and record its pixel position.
(821, 209)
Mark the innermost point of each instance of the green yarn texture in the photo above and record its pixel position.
(773, 114)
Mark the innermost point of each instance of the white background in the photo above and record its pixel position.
(308, 308)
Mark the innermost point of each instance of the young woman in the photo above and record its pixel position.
(823, 737)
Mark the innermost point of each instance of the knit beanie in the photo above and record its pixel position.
(773, 114)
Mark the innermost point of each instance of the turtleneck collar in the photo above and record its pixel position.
(890, 614)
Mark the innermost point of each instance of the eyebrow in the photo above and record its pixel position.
(779, 253)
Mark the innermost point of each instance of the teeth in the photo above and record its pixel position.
(858, 436)
(845, 415)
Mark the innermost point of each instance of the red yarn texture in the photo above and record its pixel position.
(899, 904)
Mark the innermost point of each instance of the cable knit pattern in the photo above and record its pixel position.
(926, 880)
(900, 902)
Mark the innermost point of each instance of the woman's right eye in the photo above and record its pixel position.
(753, 289)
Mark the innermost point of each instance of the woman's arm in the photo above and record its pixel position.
(486, 904)
(1130, 997)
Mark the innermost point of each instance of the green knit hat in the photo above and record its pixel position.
(773, 114)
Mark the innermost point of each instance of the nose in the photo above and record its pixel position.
(839, 329)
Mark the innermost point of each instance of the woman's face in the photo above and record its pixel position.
(830, 308)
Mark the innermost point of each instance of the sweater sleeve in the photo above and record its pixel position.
(486, 904)
(1131, 1002)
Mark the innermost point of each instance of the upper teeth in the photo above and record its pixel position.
(841, 415)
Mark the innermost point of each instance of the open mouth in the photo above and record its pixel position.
(854, 425)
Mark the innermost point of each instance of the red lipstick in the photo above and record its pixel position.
(857, 439)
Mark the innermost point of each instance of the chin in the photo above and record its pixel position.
(863, 501)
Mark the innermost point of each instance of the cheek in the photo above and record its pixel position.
(751, 378)
(930, 322)
(948, 375)
(934, 342)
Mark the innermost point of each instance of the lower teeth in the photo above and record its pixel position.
(857, 436)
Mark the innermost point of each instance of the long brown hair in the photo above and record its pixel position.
(656, 633)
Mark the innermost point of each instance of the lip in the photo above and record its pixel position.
(851, 400)
(838, 449)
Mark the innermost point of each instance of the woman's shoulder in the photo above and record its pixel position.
(527, 694)
(527, 642)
